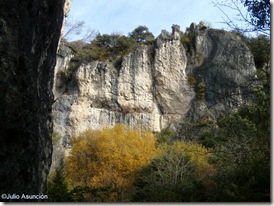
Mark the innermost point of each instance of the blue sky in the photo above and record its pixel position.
(123, 16)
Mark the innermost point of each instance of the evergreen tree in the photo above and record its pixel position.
(58, 190)
(141, 34)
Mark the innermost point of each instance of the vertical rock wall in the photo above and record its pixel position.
(148, 89)
(151, 87)
(29, 35)
(155, 86)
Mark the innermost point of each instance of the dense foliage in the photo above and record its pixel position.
(141, 34)
(58, 190)
(243, 150)
(259, 11)
(109, 159)
(111, 46)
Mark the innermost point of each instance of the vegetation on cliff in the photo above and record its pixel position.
(110, 46)
(229, 163)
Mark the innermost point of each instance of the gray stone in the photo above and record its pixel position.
(154, 91)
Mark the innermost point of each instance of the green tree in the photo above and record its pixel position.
(141, 34)
(244, 157)
(107, 46)
(165, 136)
(207, 139)
(58, 190)
(260, 47)
(186, 39)
(165, 179)
(259, 12)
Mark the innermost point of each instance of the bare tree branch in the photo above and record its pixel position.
(234, 5)
(72, 27)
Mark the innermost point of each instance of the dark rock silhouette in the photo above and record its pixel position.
(29, 35)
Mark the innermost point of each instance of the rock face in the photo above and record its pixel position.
(145, 90)
(155, 86)
(225, 65)
(29, 35)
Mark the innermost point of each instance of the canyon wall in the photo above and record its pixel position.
(155, 86)
(29, 36)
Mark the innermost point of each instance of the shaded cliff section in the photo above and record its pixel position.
(29, 35)
(223, 69)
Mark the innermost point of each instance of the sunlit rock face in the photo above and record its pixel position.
(151, 87)
(148, 89)
(29, 35)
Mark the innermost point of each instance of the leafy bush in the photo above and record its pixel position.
(186, 39)
(201, 90)
(260, 47)
(191, 81)
(205, 122)
(207, 139)
(165, 136)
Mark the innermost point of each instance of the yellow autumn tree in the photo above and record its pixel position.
(110, 158)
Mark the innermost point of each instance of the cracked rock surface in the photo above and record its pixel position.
(151, 86)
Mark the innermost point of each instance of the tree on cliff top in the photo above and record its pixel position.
(141, 34)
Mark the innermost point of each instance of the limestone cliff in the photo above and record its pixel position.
(155, 86)
(29, 35)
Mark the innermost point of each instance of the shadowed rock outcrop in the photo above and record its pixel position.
(29, 35)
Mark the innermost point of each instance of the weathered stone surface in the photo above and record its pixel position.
(148, 91)
(151, 86)
(173, 93)
(225, 64)
(29, 35)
